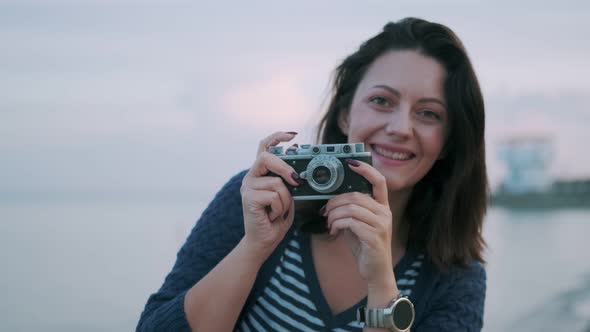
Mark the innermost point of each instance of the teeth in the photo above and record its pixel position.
(393, 155)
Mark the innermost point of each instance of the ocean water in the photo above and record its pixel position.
(90, 264)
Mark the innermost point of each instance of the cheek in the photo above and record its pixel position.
(363, 123)
(434, 141)
(358, 127)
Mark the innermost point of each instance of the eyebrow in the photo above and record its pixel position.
(421, 100)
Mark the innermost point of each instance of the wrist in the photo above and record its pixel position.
(382, 281)
(380, 292)
(251, 253)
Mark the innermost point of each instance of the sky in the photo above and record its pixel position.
(172, 97)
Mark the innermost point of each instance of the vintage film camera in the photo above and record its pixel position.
(325, 170)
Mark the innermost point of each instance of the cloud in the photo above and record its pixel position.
(153, 95)
(278, 101)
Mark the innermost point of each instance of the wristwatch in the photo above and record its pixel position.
(397, 317)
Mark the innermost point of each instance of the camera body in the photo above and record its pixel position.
(325, 170)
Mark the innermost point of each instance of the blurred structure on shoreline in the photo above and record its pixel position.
(529, 183)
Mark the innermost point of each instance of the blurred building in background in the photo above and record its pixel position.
(529, 183)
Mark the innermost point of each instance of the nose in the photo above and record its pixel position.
(400, 123)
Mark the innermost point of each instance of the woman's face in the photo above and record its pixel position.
(399, 111)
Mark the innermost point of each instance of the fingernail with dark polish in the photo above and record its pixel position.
(352, 162)
(286, 215)
(292, 133)
(323, 210)
(297, 178)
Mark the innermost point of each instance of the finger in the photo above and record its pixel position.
(272, 183)
(268, 162)
(289, 215)
(373, 176)
(363, 231)
(274, 139)
(353, 211)
(356, 198)
(268, 200)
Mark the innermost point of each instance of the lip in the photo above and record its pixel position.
(392, 148)
(389, 161)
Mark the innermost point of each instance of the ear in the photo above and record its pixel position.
(343, 119)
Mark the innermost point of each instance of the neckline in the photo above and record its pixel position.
(318, 298)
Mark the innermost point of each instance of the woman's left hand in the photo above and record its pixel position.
(367, 222)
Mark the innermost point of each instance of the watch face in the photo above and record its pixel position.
(403, 314)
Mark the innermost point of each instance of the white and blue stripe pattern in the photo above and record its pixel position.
(406, 282)
(286, 303)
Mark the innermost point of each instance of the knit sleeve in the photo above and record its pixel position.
(217, 232)
(457, 303)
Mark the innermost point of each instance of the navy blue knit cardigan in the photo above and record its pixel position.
(449, 301)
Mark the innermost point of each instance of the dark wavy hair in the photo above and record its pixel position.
(447, 206)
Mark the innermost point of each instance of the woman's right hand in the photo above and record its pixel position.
(266, 202)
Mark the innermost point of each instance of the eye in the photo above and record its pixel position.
(429, 114)
(380, 101)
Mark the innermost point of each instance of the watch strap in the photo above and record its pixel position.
(375, 317)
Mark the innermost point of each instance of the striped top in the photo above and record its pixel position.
(291, 300)
(452, 300)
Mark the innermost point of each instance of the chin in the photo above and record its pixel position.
(397, 185)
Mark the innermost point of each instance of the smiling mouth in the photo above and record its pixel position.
(402, 156)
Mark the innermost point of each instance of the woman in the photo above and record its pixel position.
(411, 96)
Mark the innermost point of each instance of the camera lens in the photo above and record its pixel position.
(321, 175)
(346, 149)
(325, 174)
